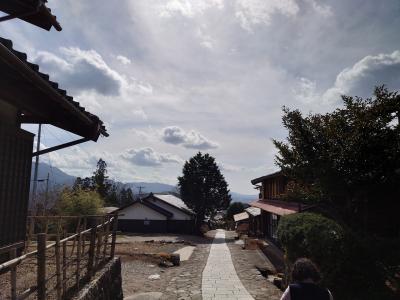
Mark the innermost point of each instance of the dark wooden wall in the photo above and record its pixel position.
(15, 172)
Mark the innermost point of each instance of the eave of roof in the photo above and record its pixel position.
(153, 206)
(40, 99)
(278, 207)
(188, 212)
(262, 178)
(32, 11)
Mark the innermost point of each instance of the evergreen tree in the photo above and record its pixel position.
(100, 179)
(202, 187)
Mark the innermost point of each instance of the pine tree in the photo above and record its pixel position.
(202, 187)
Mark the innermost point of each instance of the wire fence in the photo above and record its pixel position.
(55, 264)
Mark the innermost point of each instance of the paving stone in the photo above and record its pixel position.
(220, 280)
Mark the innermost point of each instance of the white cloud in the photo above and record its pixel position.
(255, 12)
(304, 91)
(363, 76)
(82, 70)
(147, 157)
(189, 8)
(123, 60)
(192, 139)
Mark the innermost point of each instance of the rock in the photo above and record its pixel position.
(154, 276)
(175, 259)
(165, 264)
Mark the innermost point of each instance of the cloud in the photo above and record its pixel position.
(192, 139)
(254, 12)
(147, 157)
(82, 70)
(123, 60)
(189, 8)
(363, 76)
(304, 91)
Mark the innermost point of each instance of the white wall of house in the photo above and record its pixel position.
(178, 214)
(138, 211)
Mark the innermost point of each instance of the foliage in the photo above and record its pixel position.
(126, 196)
(100, 183)
(202, 187)
(348, 263)
(234, 208)
(100, 179)
(79, 202)
(351, 156)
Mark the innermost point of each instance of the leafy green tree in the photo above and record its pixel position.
(350, 156)
(100, 179)
(234, 208)
(202, 187)
(79, 202)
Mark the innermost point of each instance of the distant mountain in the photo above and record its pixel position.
(150, 187)
(236, 197)
(58, 177)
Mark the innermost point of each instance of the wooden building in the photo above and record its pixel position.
(272, 187)
(28, 96)
(156, 213)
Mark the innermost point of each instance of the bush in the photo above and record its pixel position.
(79, 202)
(347, 262)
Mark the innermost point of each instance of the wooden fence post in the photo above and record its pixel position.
(114, 235)
(13, 254)
(58, 267)
(91, 251)
(41, 266)
(64, 268)
(78, 260)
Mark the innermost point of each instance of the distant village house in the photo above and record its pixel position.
(156, 213)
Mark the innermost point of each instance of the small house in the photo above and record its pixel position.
(156, 213)
(272, 187)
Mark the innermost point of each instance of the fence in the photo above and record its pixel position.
(62, 261)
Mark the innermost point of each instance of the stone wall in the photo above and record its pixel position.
(106, 285)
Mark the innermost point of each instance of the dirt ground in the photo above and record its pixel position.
(177, 282)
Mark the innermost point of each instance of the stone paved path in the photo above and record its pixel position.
(220, 280)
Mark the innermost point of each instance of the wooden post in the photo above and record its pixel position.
(78, 260)
(114, 235)
(91, 251)
(13, 254)
(107, 232)
(98, 246)
(64, 268)
(41, 266)
(58, 267)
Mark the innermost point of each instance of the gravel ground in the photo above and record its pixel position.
(245, 261)
(180, 282)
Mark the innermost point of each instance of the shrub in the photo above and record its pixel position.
(79, 202)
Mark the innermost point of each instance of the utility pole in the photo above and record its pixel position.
(140, 191)
(36, 167)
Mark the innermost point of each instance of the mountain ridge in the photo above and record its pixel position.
(58, 177)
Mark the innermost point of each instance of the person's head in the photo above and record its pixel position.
(304, 270)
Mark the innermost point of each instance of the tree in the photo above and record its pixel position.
(126, 196)
(202, 187)
(350, 156)
(100, 179)
(234, 208)
(79, 202)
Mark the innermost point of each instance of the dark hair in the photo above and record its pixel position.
(304, 269)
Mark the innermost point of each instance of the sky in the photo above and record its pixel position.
(173, 77)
